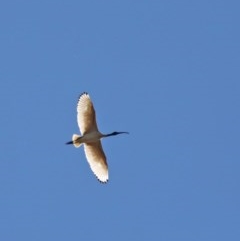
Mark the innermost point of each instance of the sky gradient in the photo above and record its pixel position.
(167, 72)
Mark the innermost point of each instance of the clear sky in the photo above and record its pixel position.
(167, 72)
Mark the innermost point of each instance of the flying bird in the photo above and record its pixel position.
(91, 138)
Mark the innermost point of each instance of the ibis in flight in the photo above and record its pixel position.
(91, 137)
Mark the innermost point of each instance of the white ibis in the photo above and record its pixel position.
(91, 136)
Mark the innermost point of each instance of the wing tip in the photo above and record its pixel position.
(83, 96)
(102, 181)
(84, 93)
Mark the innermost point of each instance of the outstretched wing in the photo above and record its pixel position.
(86, 117)
(97, 160)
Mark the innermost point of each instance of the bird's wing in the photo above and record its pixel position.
(86, 117)
(97, 160)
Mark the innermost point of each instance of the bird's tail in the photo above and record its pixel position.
(75, 140)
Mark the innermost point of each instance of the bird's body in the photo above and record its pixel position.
(86, 118)
(89, 137)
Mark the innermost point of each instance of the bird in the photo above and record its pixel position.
(91, 138)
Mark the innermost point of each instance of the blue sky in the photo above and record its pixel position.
(167, 72)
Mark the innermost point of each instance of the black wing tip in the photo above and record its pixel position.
(102, 182)
(84, 93)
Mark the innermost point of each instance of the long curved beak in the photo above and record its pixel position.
(123, 132)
